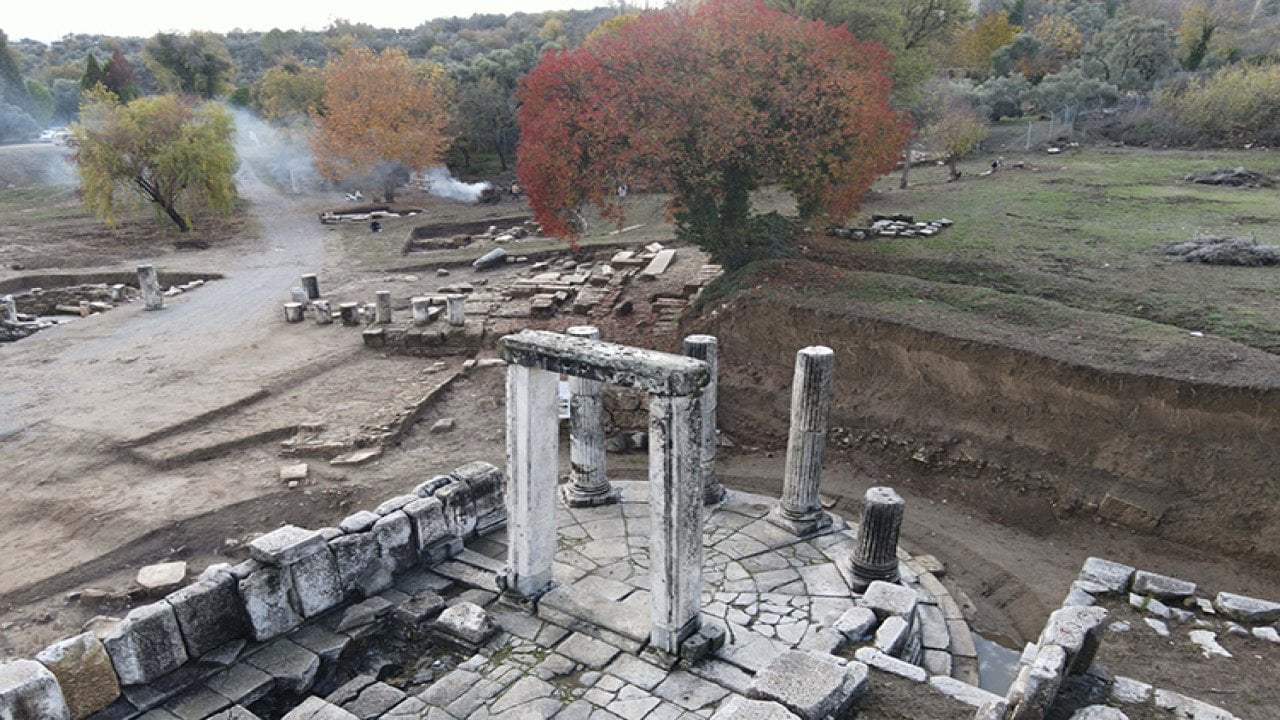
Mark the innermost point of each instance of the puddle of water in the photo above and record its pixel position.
(997, 665)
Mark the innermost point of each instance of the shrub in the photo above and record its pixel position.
(1234, 105)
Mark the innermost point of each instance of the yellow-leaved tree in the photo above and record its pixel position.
(382, 114)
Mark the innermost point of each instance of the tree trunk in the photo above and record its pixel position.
(176, 217)
(906, 167)
(951, 163)
(389, 189)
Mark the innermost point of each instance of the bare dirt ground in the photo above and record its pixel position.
(134, 437)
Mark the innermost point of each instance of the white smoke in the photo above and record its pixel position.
(442, 184)
(281, 152)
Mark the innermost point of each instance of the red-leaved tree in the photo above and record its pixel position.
(707, 101)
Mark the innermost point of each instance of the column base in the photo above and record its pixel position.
(800, 526)
(714, 494)
(575, 498)
(863, 575)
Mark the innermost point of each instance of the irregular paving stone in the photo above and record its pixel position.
(235, 712)
(524, 690)
(146, 644)
(1208, 643)
(740, 708)
(1113, 576)
(1162, 587)
(328, 645)
(1129, 691)
(268, 600)
(881, 661)
(636, 671)
(242, 683)
(420, 609)
(162, 577)
(373, 700)
(223, 655)
(587, 650)
(210, 614)
(313, 708)
(467, 622)
(689, 691)
(197, 704)
(29, 690)
(286, 545)
(887, 599)
(362, 613)
(293, 666)
(84, 673)
(809, 684)
(1188, 707)
(1247, 609)
(317, 583)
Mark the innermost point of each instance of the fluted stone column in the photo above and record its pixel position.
(799, 510)
(533, 436)
(350, 313)
(588, 486)
(676, 516)
(707, 349)
(421, 310)
(10, 308)
(311, 284)
(323, 311)
(457, 314)
(876, 555)
(149, 283)
(383, 305)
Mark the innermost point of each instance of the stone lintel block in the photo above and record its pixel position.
(1246, 609)
(971, 695)
(286, 545)
(740, 708)
(84, 672)
(395, 542)
(656, 372)
(1112, 576)
(1162, 587)
(146, 644)
(29, 690)
(317, 583)
(270, 603)
(891, 636)
(359, 560)
(313, 708)
(809, 684)
(210, 613)
(426, 522)
(887, 599)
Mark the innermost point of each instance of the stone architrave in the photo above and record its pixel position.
(323, 312)
(588, 486)
(149, 282)
(456, 305)
(707, 349)
(421, 310)
(84, 672)
(382, 304)
(311, 284)
(800, 511)
(146, 644)
(10, 308)
(29, 690)
(532, 457)
(210, 613)
(875, 556)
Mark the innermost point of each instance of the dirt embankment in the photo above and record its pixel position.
(1027, 439)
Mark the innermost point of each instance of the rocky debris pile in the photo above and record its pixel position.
(890, 226)
(33, 310)
(365, 213)
(1232, 177)
(1224, 251)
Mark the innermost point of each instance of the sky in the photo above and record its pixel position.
(46, 23)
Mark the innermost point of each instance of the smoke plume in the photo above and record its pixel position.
(281, 153)
(442, 184)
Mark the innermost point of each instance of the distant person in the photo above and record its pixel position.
(375, 226)
(516, 190)
(622, 190)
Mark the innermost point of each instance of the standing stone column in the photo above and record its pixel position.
(10, 308)
(799, 510)
(311, 284)
(324, 312)
(383, 304)
(421, 310)
(533, 437)
(149, 282)
(299, 295)
(457, 314)
(587, 484)
(876, 555)
(350, 313)
(293, 312)
(707, 349)
(675, 511)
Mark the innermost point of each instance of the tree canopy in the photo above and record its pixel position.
(707, 102)
(380, 111)
(196, 63)
(162, 149)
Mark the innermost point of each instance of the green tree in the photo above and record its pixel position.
(1136, 51)
(118, 76)
(41, 103)
(12, 88)
(15, 124)
(162, 149)
(194, 64)
(289, 92)
(66, 99)
(93, 74)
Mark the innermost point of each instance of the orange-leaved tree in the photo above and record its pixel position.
(708, 101)
(381, 113)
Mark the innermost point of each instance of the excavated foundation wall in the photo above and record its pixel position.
(1021, 435)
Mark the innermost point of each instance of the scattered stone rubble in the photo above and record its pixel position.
(1224, 251)
(365, 213)
(1232, 177)
(890, 226)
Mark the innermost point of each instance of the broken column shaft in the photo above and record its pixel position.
(149, 283)
(10, 308)
(324, 313)
(383, 304)
(800, 510)
(456, 303)
(350, 313)
(311, 284)
(876, 555)
(707, 349)
(421, 310)
(588, 486)
(299, 295)
(293, 312)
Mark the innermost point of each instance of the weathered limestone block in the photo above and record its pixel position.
(313, 708)
(360, 567)
(1111, 575)
(393, 504)
(1182, 706)
(890, 664)
(316, 583)
(149, 283)
(459, 508)
(891, 636)
(146, 644)
(358, 522)
(1078, 631)
(162, 577)
(311, 284)
(395, 539)
(810, 684)
(426, 522)
(1247, 609)
(467, 622)
(887, 599)
(1099, 712)
(210, 613)
(1037, 683)
(293, 666)
(740, 708)
(84, 672)
(429, 488)
(1162, 587)
(649, 370)
(856, 623)
(488, 493)
(29, 691)
(382, 300)
(269, 602)
(286, 545)
(969, 694)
